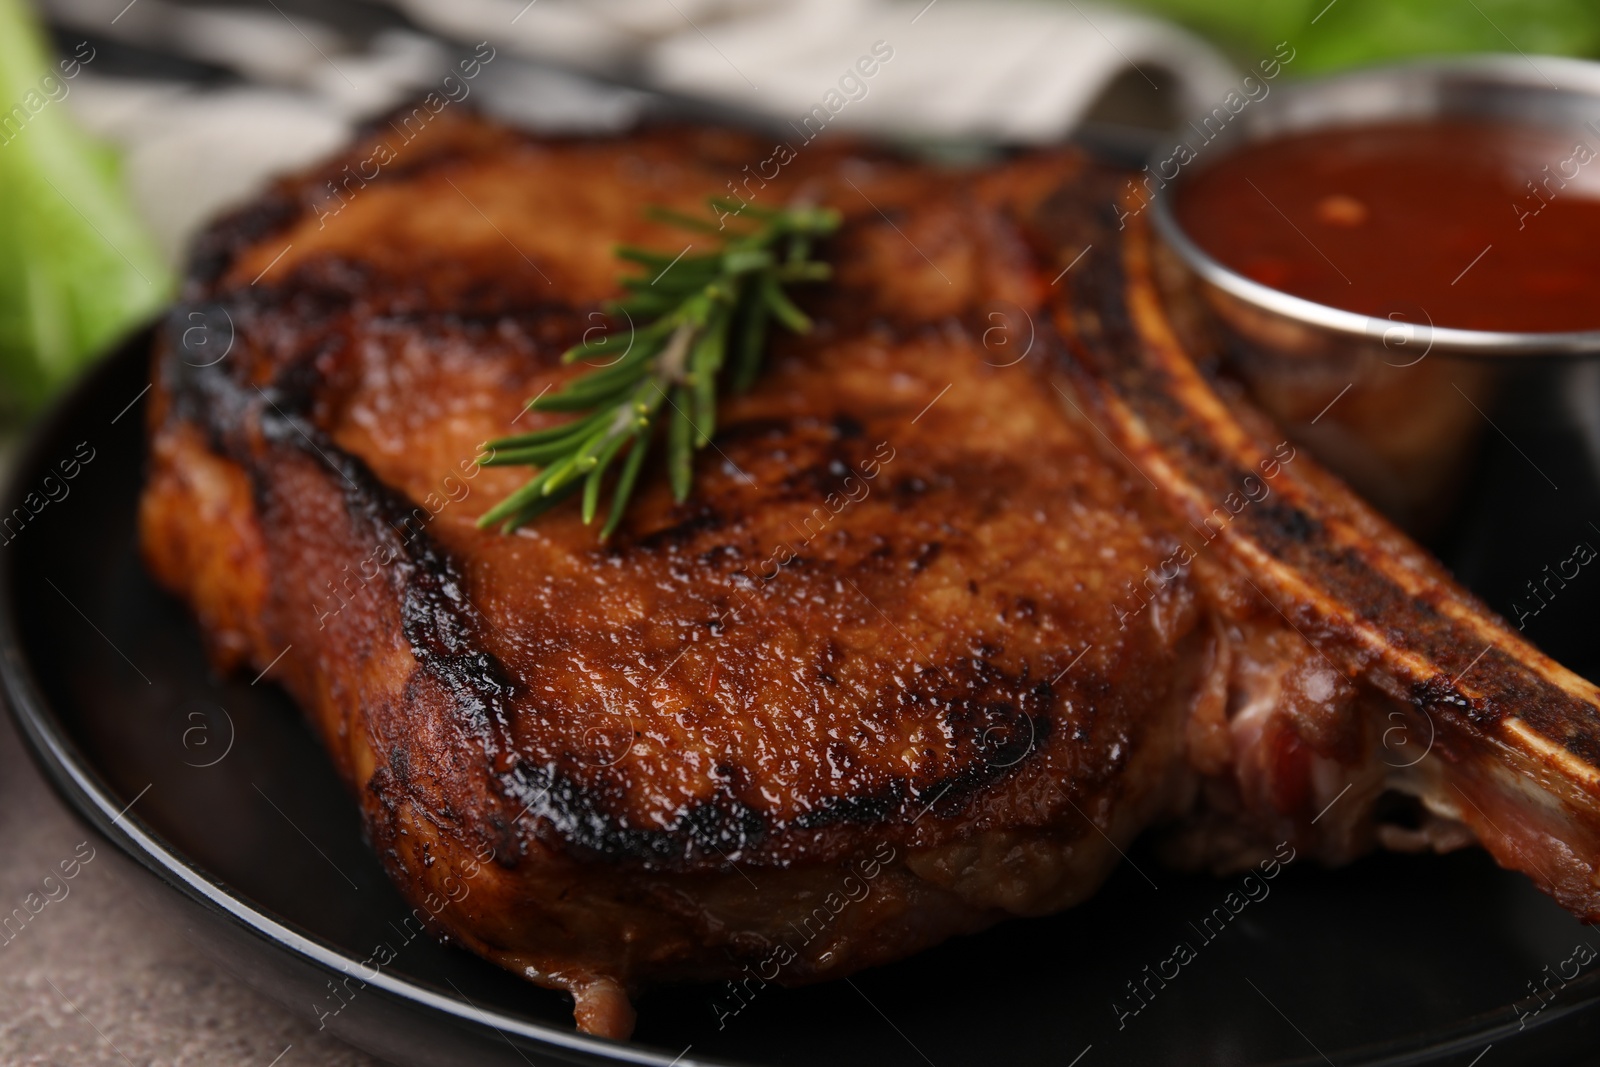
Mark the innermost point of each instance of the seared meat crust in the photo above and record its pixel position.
(879, 632)
(981, 579)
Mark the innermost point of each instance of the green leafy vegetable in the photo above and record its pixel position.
(76, 268)
(1329, 36)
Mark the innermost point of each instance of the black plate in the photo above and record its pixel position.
(217, 788)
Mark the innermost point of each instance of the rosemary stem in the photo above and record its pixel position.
(708, 310)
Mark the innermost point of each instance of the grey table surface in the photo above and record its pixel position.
(93, 978)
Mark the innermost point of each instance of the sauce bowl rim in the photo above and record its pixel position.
(1493, 70)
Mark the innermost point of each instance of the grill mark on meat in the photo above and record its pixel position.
(218, 247)
(571, 820)
(697, 518)
(444, 631)
(575, 819)
(1283, 526)
(1289, 522)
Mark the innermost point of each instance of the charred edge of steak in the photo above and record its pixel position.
(215, 250)
(571, 819)
(1010, 735)
(442, 627)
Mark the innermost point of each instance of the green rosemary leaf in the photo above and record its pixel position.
(687, 222)
(680, 447)
(625, 373)
(704, 365)
(630, 474)
(647, 401)
(632, 342)
(811, 220)
(528, 456)
(744, 260)
(782, 307)
(643, 304)
(541, 437)
(803, 272)
(600, 347)
(581, 462)
(752, 341)
(532, 492)
(707, 263)
(558, 473)
(600, 382)
(580, 399)
(739, 207)
(697, 308)
(688, 315)
(591, 484)
(538, 507)
(670, 283)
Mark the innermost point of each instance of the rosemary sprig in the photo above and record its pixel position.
(703, 311)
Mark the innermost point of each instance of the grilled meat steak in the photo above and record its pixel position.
(982, 579)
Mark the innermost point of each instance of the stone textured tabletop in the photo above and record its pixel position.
(93, 979)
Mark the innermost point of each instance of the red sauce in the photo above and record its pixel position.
(1481, 225)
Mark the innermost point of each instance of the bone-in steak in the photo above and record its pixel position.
(961, 603)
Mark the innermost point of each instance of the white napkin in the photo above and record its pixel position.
(1010, 70)
(1016, 70)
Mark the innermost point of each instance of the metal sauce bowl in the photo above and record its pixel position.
(1393, 404)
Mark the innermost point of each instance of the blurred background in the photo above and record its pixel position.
(126, 126)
